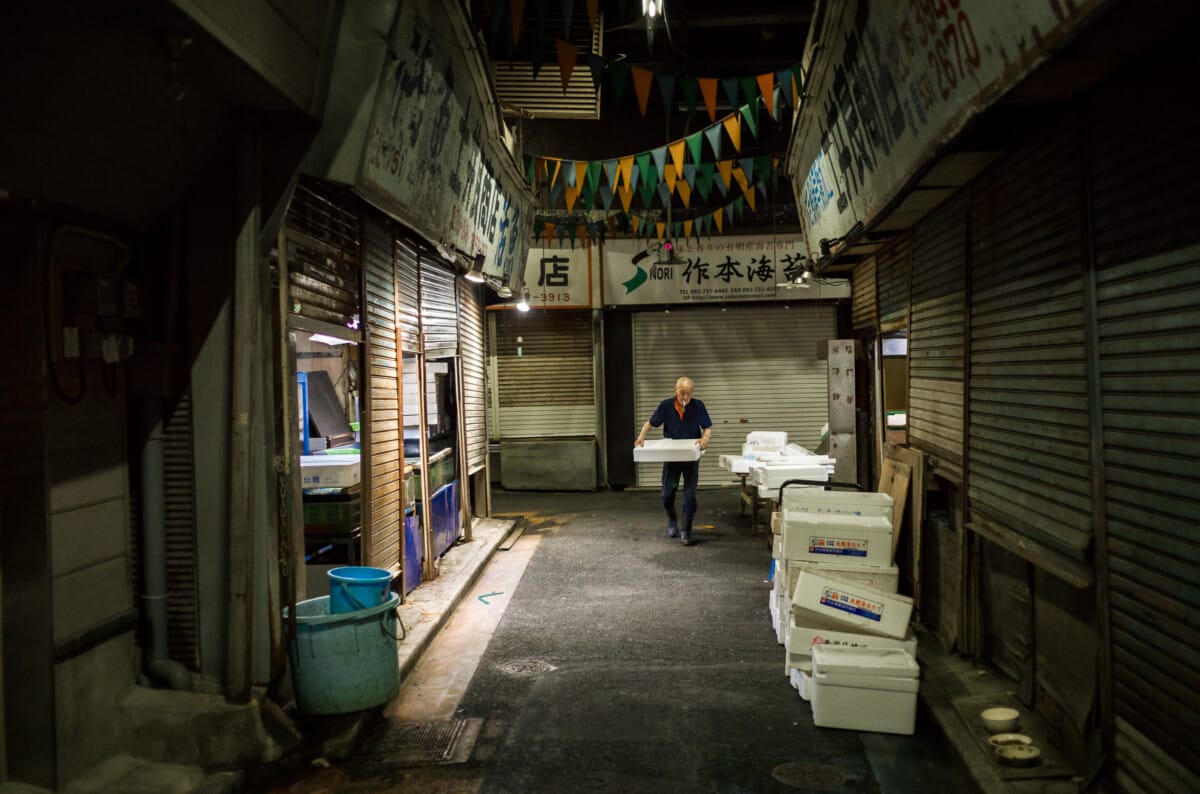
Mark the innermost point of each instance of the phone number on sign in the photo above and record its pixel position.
(555, 297)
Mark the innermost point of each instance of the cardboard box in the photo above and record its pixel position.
(853, 605)
(330, 471)
(820, 536)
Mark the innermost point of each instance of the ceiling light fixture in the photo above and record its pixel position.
(475, 271)
(523, 303)
(504, 291)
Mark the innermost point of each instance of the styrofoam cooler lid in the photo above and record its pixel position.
(799, 519)
(847, 661)
(884, 683)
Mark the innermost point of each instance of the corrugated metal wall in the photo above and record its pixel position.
(864, 311)
(474, 368)
(324, 270)
(179, 504)
(937, 338)
(893, 268)
(546, 381)
(1144, 210)
(755, 368)
(407, 266)
(439, 307)
(382, 449)
(1028, 392)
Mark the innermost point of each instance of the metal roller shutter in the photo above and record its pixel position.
(937, 338)
(1030, 470)
(755, 368)
(471, 354)
(893, 266)
(864, 311)
(545, 381)
(407, 265)
(179, 506)
(382, 452)
(1147, 293)
(322, 237)
(439, 307)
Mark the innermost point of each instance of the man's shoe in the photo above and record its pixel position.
(685, 537)
(672, 529)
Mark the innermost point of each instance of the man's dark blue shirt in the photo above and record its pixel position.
(690, 425)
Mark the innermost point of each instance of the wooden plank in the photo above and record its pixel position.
(894, 479)
(915, 460)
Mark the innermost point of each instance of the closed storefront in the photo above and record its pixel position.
(755, 368)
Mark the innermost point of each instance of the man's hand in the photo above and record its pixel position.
(703, 444)
(639, 441)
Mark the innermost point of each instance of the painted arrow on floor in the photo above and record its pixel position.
(489, 595)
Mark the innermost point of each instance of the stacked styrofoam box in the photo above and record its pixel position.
(806, 631)
(827, 537)
(864, 689)
(665, 450)
(763, 441)
(774, 473)
(846, 503)
(856, 606)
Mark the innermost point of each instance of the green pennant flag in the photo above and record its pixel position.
(694, 142)
(750, 114)
(529, 168)
(587, 197)
(704, 179)
(596, 65)
(649, 183)
(730, 85)
(698, 226)
(568, 11)
(747, 164)
(642, 161)
(540, 47)
(593, 174)
(618, 73)
(783, 79)
(689, 173)
(660, 159)
(689, 87)
(749, 88)
(568, 166)
(666, 87)
(797, 81)
(664, 193)
(676, 230)
(713, 133)
(762, 167)
(610, 167)
(606, 196)
(739, 206)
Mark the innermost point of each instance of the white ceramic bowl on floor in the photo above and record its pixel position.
(1000, 719)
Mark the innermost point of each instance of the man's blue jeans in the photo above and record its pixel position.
(690, 471)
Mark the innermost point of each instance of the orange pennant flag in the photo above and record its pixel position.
(749, 194)
(625, 171)
(641, 83)
(685, 192)
(557, 167)
(625, 192)
(766, 84)
(581, 168)
(592, 7)
(548, 232)
(708, 88)
(660, 226)
(718, 215)
(637, 224)
(568, 55)
(725, 169)
(743, 183)
(676, 150)
(687, 229)
(573, 195)
(733, 126)
(669, 177)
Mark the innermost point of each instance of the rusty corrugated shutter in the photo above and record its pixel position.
(439, 306)
(1147, 298)
(937, 338)
(864, 311)
(382, 452)
(1030, 462)
(179, 506)
(407, 266)
(545, 374)
(893, 265)
(474, 368)
(324, 269)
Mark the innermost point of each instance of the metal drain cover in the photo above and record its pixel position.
(419, 743)
(526, 668)
(821, 777)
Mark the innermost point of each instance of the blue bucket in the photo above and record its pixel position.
(353, 588)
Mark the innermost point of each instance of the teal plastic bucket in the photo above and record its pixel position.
(347, 662)
(352, 588)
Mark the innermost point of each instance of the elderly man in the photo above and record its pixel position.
(680, 416)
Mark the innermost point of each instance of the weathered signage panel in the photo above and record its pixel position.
(560, 278)
(720, 270)
(889, 81)
(433, 154)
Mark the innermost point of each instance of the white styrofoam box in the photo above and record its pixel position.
(777, 529)
(853, 604)
(330, 471)
(865, 689)
(775, 473)
(807, 630)
(777, 549)
(850, 503)
(802, 681)
(735, 464)
(667, 450)
(822, 536)
(877, 577)
(767, 439)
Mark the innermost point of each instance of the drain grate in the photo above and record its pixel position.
(419, 743)
(526, 668)
(821, 777)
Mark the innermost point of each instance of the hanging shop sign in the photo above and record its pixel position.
(559, 278)
(887, 84)
(717, 270)
(433, 153)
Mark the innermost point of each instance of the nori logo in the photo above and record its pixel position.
(640, 275)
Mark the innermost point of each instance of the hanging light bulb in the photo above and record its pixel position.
(523, 303)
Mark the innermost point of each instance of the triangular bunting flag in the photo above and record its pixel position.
(717, 215)
(685, 192)
(664, 194)
(669, 177)
(708, 88)
(687, 229)
(730, 86)
(660, 158)
(740, 176)
(649, 183)
(593, 174)
(747, 164)
(581, 231)
(531, 171)
(659, 227)
(596, 65)
(666, 87)
(568, 12)
(606, 196)
(688, 86)
(581, 172)
(592, 7)
(797, 86)
(610, 168)
(625, 192)
(548, 232)
(571, 172)
(635, 176)
(713, 133)
(618, 74)
(704, 180)
(689, 173)
(766, 86)
(572, 197)
(775, 173)
(625, 167)
(676, 228)
(733, 126)
(641, 84)
(538, 53)
(695, 144)
(777, 98)
(750, 113)
(557, 168)
(643, 164)
(725, 169)
(749, 91)
(677, 156)
(783, 79)
(568, 55)
(762, 167)
(739, 206)
(636, 225)
(749, 194)
(517, 11)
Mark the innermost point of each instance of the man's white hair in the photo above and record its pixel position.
(684, 381)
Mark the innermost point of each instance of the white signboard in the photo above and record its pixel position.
(720, 270)
(560, 278)
(432, 152)
(891, 81)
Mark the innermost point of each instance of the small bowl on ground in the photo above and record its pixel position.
(1018, 754)
(1000, 719)
(1006, 739)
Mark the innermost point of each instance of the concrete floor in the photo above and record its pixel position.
(604, 657)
